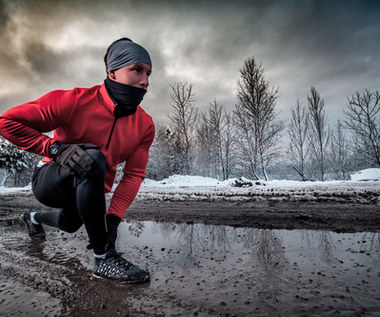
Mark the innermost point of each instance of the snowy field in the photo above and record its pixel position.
(364, 186)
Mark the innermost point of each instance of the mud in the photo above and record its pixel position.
(206, 259)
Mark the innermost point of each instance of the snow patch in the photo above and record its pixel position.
(364, 187)
(182, 181)
(370, 174)
(180, 187)
(11, 190)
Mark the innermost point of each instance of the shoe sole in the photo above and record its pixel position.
(145, 280)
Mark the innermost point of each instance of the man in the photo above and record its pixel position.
(95, 129)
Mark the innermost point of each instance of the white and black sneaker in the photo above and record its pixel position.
(35, 230)
(115, 267)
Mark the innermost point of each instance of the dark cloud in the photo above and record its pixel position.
(42, 59)
(332, 45)
(3, 15)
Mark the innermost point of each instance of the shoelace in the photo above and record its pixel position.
(115, 265)
(119, 260)
(34, 228)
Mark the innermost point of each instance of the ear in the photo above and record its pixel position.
(111, 75)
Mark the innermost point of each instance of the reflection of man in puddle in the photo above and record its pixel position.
(94, 130)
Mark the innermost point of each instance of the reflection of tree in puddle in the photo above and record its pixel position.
(268, 265)
(370, 241)
(165, 229)
(199, 238)
(261, 254)
(269, 250)
(136, 228)
(325, 245)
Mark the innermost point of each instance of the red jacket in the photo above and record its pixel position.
(85, 115)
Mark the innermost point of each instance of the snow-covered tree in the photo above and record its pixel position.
(15, 162)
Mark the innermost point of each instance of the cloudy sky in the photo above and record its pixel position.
(331, 45)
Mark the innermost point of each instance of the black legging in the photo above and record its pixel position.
(82, 202)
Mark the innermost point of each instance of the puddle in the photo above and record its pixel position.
(258, 270)
(262, 248)
(196, 270)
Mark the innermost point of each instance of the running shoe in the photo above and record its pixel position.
(35, 231)
(115, 267)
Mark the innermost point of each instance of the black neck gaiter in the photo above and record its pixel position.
(126, 97)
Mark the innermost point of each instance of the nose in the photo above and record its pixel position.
(144, 82)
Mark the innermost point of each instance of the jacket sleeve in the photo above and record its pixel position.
(134, 172)
(25, 124)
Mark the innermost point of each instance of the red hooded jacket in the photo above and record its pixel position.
(85, 115)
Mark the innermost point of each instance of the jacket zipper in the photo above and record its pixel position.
(109, 138)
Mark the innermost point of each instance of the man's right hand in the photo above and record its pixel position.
(74, 158)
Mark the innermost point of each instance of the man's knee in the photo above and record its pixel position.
(69, 225)
(70, 228)
(97, 155)
(99, 165)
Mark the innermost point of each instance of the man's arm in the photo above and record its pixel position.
(25, 124)
(134, 172)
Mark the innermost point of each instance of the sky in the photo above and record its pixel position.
(330, 45)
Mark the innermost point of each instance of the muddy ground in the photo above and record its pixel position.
(53, 277)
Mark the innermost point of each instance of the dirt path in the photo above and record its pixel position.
(54, 277)
(266, 214)
(333, 216)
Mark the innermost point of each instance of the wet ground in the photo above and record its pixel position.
(200, 265)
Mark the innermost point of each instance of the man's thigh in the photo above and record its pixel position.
(53, 186)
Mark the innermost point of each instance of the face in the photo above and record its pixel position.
(136, 75)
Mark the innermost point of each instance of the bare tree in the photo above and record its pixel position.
(339, 152)
(162, 159)
(215, 114)
(319, 132)
(298, 132)
(227, 147)
(183, 122)
(363, 119)
(203, 146)
(254, 116)
(221, 140)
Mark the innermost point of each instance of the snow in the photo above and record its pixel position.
(363, 187)
(371, 174)
(181, 181)
(15, 190)
(367, 175)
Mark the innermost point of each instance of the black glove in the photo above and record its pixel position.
(74, 158)
(112, 224)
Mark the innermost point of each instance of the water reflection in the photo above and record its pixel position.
(136, 228)
(272, 270)
(234, 271)
(269, 248)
